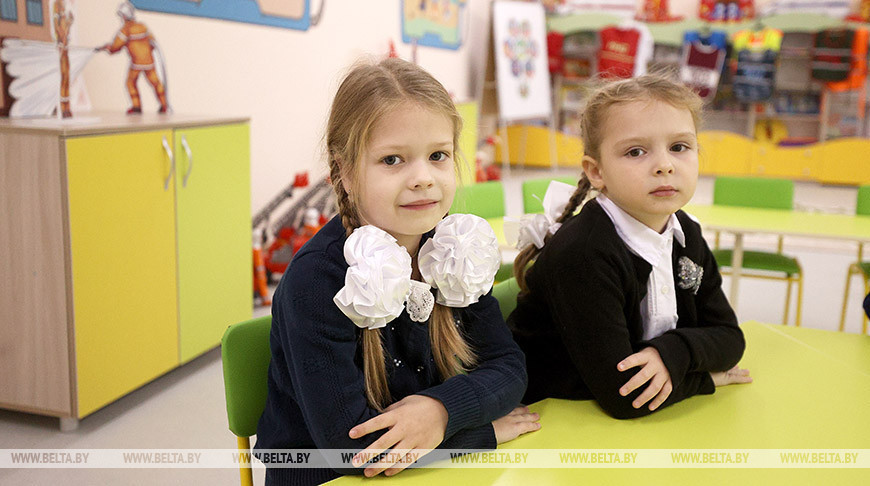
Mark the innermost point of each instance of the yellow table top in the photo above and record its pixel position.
(811, 390)
(784, 222)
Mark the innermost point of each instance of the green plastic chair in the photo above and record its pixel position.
(755, 192)
(245, 354)
(860, 266)
(484, 199)
(506, 294)
(534, 190)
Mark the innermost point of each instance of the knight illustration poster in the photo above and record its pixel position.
(519, 43)
(287, 14)
(434, 23)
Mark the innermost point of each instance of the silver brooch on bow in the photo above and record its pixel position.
(690, 275)
(420, 302)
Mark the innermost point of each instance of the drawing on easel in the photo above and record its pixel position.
(521, 50)
(433, 23)
(519, 34)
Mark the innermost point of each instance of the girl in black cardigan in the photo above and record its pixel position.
(385, 335)
(624, 302)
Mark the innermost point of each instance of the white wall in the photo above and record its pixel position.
(282, 79)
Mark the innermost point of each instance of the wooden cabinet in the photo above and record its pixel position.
(125, 253)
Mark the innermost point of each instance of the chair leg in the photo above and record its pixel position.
(866, 291)
(788, 281)
(800, 299)
(245, 474)
(846, 297)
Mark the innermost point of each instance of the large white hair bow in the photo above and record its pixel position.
(378, 279)
(534, 228)
(460, 260)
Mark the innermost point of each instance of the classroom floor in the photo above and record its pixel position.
(185, 408)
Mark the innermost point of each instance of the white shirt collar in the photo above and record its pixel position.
(640, 238)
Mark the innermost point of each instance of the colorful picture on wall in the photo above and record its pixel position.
(433, 23)
(287, 14)
(522, 73)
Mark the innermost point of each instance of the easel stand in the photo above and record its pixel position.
(495, 93)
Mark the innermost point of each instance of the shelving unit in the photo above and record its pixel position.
(800, 107)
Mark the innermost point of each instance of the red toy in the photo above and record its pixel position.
(486, 168)
(283, 238)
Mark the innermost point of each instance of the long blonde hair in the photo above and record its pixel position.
(648, 87)
(367, 93)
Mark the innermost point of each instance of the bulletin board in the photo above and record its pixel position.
(520, 51)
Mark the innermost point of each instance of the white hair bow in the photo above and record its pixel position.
(460, 260)
(534, 228)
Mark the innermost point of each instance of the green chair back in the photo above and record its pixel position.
(863, 207)
(538, 187)
(484, 199)
(245, 354)
(506, 294)
(753, 192)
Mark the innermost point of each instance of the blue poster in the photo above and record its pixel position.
(433, 23)
(287, 14)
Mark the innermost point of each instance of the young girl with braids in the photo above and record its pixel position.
(622, 302)
(385, 335)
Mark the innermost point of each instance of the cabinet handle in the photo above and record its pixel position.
(168, 150)
(189, 160)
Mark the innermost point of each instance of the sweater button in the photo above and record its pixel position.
(420, 369)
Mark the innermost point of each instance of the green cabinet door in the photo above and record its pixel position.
(213, 214)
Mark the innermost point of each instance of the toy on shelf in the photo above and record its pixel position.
(862, 14)
(281, 239)
(726, 10)
(656, 11)
(486, 168)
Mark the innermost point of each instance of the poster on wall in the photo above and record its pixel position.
(287, 14)
(522, 74)
(433, 23)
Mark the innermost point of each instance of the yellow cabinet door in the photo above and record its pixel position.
(122, 244)
(845, 161)
(215, 271)
(789, 162)
(724, 153)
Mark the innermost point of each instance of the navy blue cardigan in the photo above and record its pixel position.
(316, 385)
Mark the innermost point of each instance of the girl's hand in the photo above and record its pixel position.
(515, 424)
(416, 424)
(653, 371)
(734, 375)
